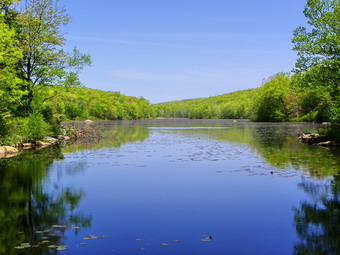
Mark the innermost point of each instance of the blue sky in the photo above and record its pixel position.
(167, 50)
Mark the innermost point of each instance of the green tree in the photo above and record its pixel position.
(41, 41)
(10, 92)
(270, 105)
(318, 49)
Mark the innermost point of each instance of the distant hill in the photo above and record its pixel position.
(235, 105)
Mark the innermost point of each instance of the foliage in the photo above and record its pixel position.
(270, 105)
(44, 61)
(234, 105)
(9, 82)
(84, 103)
(35, 128)
(318, 65)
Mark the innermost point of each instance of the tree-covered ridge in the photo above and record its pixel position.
(234, 105)
(85, 103)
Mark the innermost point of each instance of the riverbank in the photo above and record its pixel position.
(80, 131)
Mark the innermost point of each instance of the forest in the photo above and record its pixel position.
(40, 86)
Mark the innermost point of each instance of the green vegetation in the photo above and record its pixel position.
(39, 84)
(236, 105)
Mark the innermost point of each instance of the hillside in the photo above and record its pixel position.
(233, 105)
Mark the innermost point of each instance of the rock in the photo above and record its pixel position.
(51, 140)
(27, 146)
(42, 144)
(8, 151)
(312, 138)
(88, 121)
(64, 138)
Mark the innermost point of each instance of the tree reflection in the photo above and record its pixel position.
(318, 221)
(277, 144)
(28, 210)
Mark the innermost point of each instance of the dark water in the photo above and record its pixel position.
(175, 187)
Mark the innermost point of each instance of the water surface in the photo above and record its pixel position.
(167, 186)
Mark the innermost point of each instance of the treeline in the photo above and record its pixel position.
(39, 83)
(310, 93)
(84, 103)
(279, 99)
(236, 105)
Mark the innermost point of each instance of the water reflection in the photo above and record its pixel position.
(106, 135)
(318, 220)
(28, 210)
(278, 146)
(36, 210)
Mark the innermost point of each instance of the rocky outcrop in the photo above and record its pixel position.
(8, 151)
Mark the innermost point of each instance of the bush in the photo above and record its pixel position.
(35, 128)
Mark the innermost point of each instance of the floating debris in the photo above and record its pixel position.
(61, 248)
(59, 226)
(165, 244)
(90, 237)
(23, 246)
(20, 247)
(207, 239)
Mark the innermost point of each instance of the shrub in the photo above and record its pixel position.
(35, 128)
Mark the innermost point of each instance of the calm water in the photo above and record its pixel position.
(164, 187)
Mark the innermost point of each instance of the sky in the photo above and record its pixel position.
(166, 50)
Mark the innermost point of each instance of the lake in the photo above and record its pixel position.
(174, 187)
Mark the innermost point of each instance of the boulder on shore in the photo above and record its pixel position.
(42, 144)
(27, 146)
(312, 138)
(88, 121)
(51, 140)
(8, 151)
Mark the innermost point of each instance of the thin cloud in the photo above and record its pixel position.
(124, 42)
